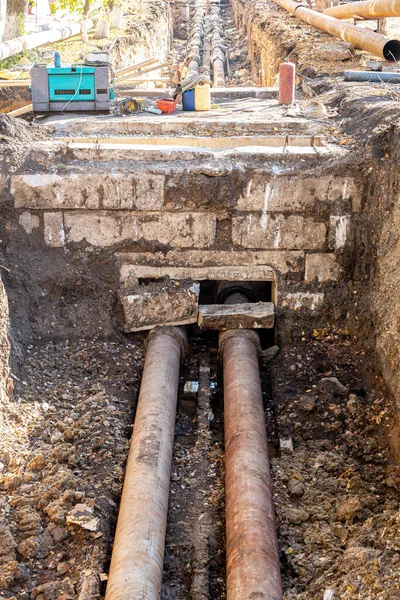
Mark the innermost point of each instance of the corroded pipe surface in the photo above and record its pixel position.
(366, 10)
(252, 549)
(374, 43)
(138, 553)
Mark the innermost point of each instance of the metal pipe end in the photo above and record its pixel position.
(177, 333)
(249, 334)
(391, 50)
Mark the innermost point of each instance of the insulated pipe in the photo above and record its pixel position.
(372, 76)
(252, 558)
(138, 553)
(374, 9)
(374, 43)
(34, 40)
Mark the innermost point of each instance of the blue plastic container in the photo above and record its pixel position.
(188, 100)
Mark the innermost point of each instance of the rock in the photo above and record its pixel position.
(349, 508)
(29, 521)
(82, 515)
(269, 353)
(60, 534)
(335, 51)
(297, 515)
(63, 567)
(329, 595)
(8, 573)
(295, 487)
(286, 445)
(373, 65)
(29, 548)
(306, 403)
(332, 385)
(356, 557)
(37, 463)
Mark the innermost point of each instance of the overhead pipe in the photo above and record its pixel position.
(374, 43)
(138, 553)
(34, 40)
(252, 558)
(373, 9)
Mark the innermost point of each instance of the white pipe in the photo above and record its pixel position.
(34, 40)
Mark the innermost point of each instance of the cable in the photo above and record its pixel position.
(127, 106)
(76, 92)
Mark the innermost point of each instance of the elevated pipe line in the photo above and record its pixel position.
(251, 541)
(138, 553)
(34, 40)
(374, 43)
(374, 9)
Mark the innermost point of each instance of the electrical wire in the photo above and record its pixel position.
(127, 106)
(76, 91)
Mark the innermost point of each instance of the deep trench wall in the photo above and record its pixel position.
(378, 260)
(274, 36)
(78, 233)
(4, 353)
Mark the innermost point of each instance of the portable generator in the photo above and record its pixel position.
(70, 88)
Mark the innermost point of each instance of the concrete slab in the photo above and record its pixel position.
(232, 93)
(160, 303)
(234, 117)
(237, 316)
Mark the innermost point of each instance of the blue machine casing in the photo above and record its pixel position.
(70, 88)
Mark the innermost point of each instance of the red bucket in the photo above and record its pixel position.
(166, 105)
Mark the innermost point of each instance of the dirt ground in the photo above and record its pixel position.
(65, 440)
(63, 449)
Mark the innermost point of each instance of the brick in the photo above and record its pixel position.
(339, 231)
(285, 193)
(54, 232)
(260, 315)
(121, 191)
(278, 231)
(29, 221)
(163, 303)
(209, 264)
(105, 229)
(323, 267)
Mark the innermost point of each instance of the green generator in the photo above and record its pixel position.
(70, 88)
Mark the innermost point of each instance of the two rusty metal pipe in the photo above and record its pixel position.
(252, 558)
(138, 553)
(374, 43)
(373, 9)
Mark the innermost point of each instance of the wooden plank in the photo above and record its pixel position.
(4, 83)
(260, 315)
(20, 111)
(137, 67)
(148, 70)
(131, 81)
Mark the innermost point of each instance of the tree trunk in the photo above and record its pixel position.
(84, 32)
(15, 19)
(103, 26)
(3, 13)
(117, 14)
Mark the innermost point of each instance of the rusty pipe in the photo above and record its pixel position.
(374, 9)
(374, 43)
(251, 541)
(138, 553)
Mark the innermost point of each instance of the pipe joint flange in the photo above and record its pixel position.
(249, 334)
(177, 333)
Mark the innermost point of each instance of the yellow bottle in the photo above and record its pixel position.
(202, 97)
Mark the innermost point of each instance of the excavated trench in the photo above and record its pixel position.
(103, 214)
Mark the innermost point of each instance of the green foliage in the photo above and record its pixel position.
(77, 6)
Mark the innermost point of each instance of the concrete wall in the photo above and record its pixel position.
(258, 220)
